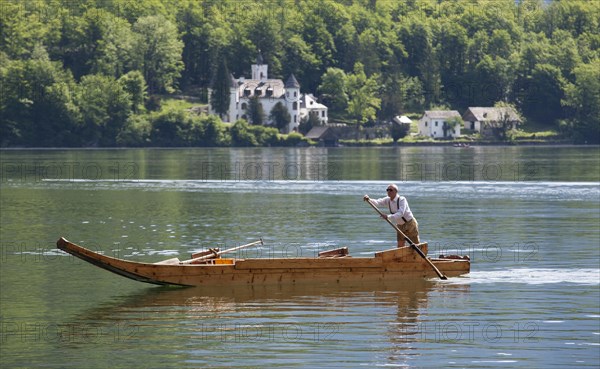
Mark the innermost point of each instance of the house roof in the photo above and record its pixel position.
(317, 132)
(491, 114)
(402, 119)
(310, 102)
(323, 133)
(441, 114)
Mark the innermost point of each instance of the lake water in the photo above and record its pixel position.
(529, 217)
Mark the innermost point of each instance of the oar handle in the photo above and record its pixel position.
(215, 254)
(412, 244)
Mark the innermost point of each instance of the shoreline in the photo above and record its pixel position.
(469, 144)
(344, 145)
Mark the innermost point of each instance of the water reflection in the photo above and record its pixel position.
(252, 324)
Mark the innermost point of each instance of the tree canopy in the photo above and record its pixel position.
(76, 73)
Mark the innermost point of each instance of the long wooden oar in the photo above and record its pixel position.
(412, 244)
(215, 254)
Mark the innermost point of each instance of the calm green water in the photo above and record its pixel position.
(529, 217)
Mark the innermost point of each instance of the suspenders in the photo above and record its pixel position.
(397, 207)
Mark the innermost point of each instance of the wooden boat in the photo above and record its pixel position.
(334, 266)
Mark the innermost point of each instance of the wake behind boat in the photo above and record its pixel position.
(208, 268)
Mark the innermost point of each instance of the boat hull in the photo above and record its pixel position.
(394, 264)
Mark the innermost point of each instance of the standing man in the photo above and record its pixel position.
(400, 214)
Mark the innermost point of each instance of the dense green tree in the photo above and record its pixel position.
(363, 101)
(114, 50)
(398, 130)
(477, 49)
(196, 36)
(135, 132)
(265, 136)
(577, 17)
(36, 104)
(544, 94)
(213, 132)
(492, 81)
(255, 111)
(400, 94)
(315, 48)
(267, 38)
(500, 44)
(105, 107)
(171, 128)
(220, 94)
(452, 54)
(134, 84)
(583, 97)
(20, 29)
(241, 135)
(333, 90)
(307, 123)
(564, 53)
(158, 50)
(421, 61)
(370, 45)
(303, 63)
(280, 116)
(393, 96)
(82, 45)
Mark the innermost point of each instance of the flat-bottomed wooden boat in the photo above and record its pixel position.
(335, 266)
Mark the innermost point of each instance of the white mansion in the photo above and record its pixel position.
(269, 93)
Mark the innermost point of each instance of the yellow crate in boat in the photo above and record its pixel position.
(224, 261)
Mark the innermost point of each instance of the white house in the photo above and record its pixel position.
(440, 124)
(309, 104)
(269, 93)
(484, 119)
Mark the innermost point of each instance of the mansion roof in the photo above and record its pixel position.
(267, 88)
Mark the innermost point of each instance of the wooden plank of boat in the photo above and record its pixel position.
(394, 264)
(336, 253)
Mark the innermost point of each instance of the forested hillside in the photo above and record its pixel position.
(90, 73)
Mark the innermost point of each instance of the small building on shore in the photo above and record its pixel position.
(402, 120)
(485, 120)
(440, 124)
(325, 135)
